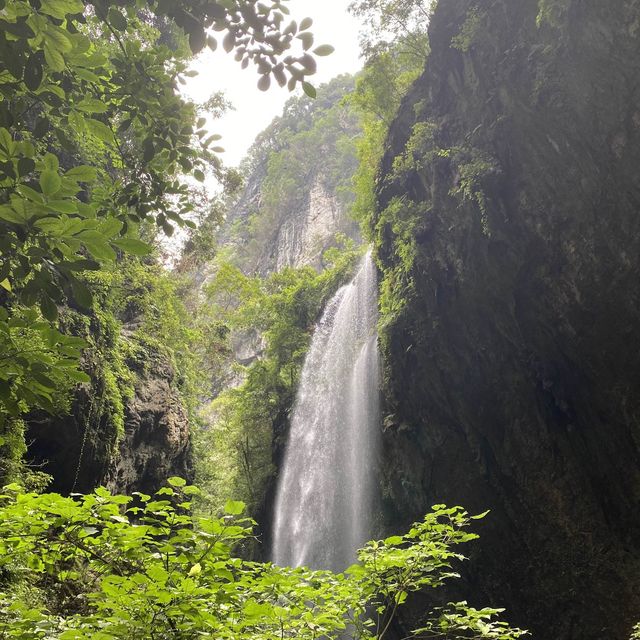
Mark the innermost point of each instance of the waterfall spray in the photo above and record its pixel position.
(325, 494)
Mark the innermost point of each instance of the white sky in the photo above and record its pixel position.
(254, 109)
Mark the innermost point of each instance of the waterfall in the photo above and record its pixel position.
(325, 493)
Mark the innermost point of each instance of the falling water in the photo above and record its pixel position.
(325, 494)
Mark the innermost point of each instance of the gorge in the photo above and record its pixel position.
(483, 353)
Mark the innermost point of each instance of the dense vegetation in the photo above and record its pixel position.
(109, 566)
(97, 169)
(277, 313)
(93, 159)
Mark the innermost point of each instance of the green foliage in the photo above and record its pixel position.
(108, 380)
(421, 150)
(36, 361)
(397, 226)
(636, 633)
(385, 79)
(471, 27)
(201, 246)
(387, 76)
(395, 44)
(474, 166)
(552, 12)
(12, 448)
(137, 327)
(139, 321)
(387, 21)
(95, 141)
(394, 229)
(104, 566)
(402, 217)
(12, 451)
(277, 312)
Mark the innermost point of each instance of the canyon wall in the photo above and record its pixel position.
(508, 237)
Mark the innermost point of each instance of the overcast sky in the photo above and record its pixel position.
(254, 109)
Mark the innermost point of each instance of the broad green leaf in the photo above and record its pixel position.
(77, 376)
(197, 39)
(110, 227)
(6, 143)
(100, 130)
(61, 8)
(100, 250)
(82, 173)
(81, 293)
(30, 194)
(62, 206)
(94, 61)
(87, 75)
(56, 38)
(51, 161)
(25, 166)
(26, 148)
(11, 215)
(54, 60)
(309, 89)
(52, 88)
(50, 182)
(86, 210)
(253, 609)
(33, 72)
(48, 308)
(91, 105)
(323, 50)
(51, 224)
(234, 508)
(81, 43)
(117, 19)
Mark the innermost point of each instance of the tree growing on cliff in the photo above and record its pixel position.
(388, 21)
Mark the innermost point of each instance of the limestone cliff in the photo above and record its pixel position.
(508, 236)
(81, 450)
(156, 443)
(128, 427)
(298, 188)
(306, 233)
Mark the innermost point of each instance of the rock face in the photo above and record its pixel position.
(299, 185)
(301, 232)
(156, 443)
(304, 229)
(80, 450)
(511, 308)
(310, 230)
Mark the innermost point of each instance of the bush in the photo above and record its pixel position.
(102, 566)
